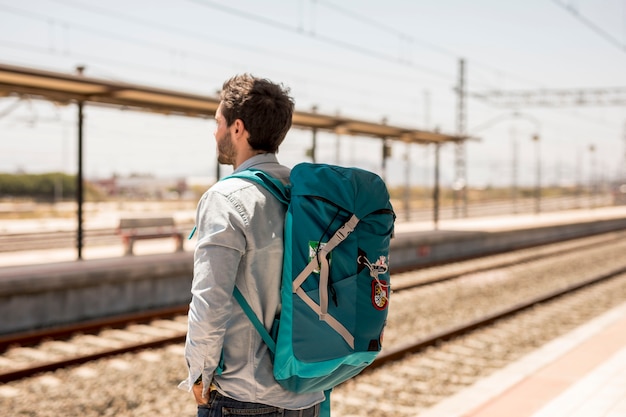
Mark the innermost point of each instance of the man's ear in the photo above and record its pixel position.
(237, 128)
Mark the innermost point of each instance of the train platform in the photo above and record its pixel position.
(57, 289)
(580, 374)
(444, 230)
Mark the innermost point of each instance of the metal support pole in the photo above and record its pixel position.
(79, 184)
(514, 157)
(460, 183)
(385, 155)
(436, 189)
(313, 145)
(592, 176)
(385, 152)
(538, 175)
(407, 183)
(312, 151)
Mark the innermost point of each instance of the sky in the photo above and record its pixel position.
(396, 60)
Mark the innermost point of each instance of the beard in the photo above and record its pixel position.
(226, 152)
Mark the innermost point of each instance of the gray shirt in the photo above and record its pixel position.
(240, 242)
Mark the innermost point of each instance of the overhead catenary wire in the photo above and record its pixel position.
(591, 25)
(278, 24)
(191, 54)
(266, 21)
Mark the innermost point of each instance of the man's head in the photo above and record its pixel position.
(265, 110)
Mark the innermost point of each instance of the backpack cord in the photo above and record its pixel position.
(380, 267)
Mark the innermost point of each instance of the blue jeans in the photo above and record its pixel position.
(220, 405)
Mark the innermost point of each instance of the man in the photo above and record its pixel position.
(240, 243)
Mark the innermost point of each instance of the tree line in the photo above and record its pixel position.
(44, 187)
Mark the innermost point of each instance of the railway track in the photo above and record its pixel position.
(129, 322)
(13, 242)
(73, 345)
(441, 367)
(398, 352)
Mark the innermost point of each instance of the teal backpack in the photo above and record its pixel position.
(335, 284)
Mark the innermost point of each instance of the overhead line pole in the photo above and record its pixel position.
(79, 175)
(79, 185)
(460, 184)
(436, 188)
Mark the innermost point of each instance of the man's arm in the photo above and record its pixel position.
(221, 243)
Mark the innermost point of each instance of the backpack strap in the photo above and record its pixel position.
(281, 192)
(273, 185)
(271, 344)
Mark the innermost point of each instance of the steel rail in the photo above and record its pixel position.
(53, 366)
(88, 327)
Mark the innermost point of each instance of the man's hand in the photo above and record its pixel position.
(197, 393)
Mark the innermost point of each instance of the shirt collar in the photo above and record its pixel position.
(263, 158)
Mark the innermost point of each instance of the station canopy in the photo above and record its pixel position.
(63, 88)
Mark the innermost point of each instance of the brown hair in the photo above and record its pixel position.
(265, 108)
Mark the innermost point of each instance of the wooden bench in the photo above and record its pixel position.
(148, 228)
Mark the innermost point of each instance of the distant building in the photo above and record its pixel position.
(619, 193)
(145, 187)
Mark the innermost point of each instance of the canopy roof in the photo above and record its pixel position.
(66, 88)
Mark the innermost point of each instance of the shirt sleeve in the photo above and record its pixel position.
(221, 244)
